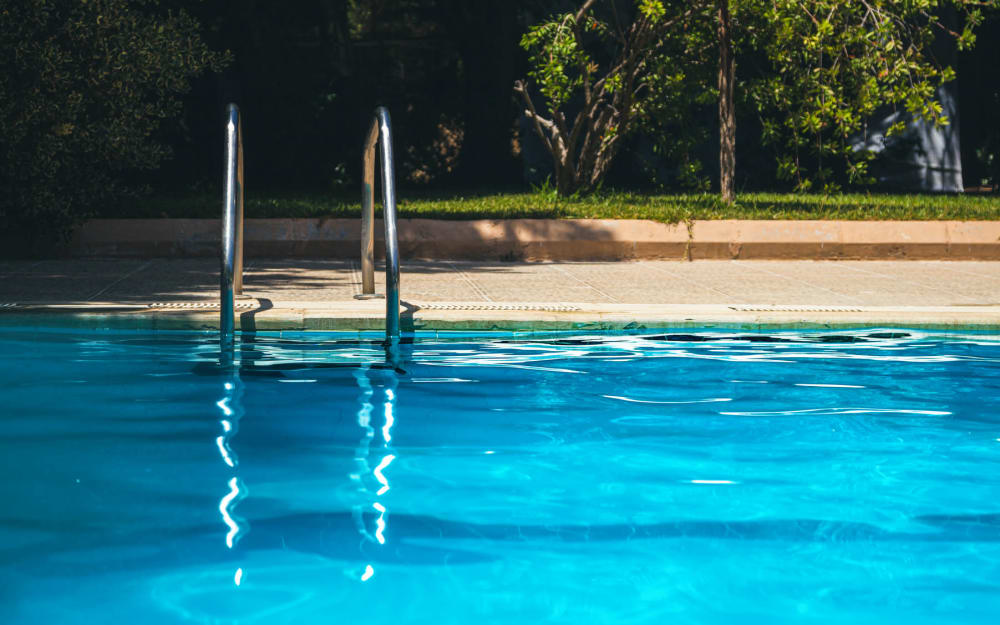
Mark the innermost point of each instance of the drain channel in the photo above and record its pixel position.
(196, 305)
(809, 309)
(526, 307)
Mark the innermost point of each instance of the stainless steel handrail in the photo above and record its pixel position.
(380, 133)
(231, 278)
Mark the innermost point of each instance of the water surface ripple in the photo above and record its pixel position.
(697, 477)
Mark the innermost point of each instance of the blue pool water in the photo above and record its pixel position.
(704, 477)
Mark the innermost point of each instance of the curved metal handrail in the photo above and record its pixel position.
(380, 133)
(231, 278)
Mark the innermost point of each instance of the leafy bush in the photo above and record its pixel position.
(818, 71)
(835, 64)
(84, 87)
(594, 72)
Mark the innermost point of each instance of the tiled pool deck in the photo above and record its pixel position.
(458, 295)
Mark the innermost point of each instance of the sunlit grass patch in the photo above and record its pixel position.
(668, 208)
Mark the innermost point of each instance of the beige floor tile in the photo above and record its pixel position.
(817, 283)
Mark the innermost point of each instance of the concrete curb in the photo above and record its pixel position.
(554, 239)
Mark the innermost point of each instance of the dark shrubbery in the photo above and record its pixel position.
(84, 86)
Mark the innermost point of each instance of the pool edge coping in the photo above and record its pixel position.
(463, 317)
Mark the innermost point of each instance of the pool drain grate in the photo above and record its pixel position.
(502, 307)
(804, 309)
(197, 305)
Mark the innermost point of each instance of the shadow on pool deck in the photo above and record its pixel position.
(813, 283)
(314, 294)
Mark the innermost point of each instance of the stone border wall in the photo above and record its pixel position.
(554, 239)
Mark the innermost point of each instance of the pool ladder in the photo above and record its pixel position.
(380, 133)
(231, 278)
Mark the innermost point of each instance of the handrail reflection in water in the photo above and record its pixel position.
(364, 474)
(231, 408)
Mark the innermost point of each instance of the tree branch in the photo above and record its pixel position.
(539, 121)
(584, 10)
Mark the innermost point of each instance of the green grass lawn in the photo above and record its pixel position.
(609, 205)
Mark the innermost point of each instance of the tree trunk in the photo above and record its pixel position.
(727, 111)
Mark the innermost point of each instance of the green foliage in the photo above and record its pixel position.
(682, 93)
(559, 61)
(823, 69)
(84, 88)
(595, 69)
(834, 63)
(544, 203)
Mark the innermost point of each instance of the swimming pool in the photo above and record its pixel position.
(703, 477)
